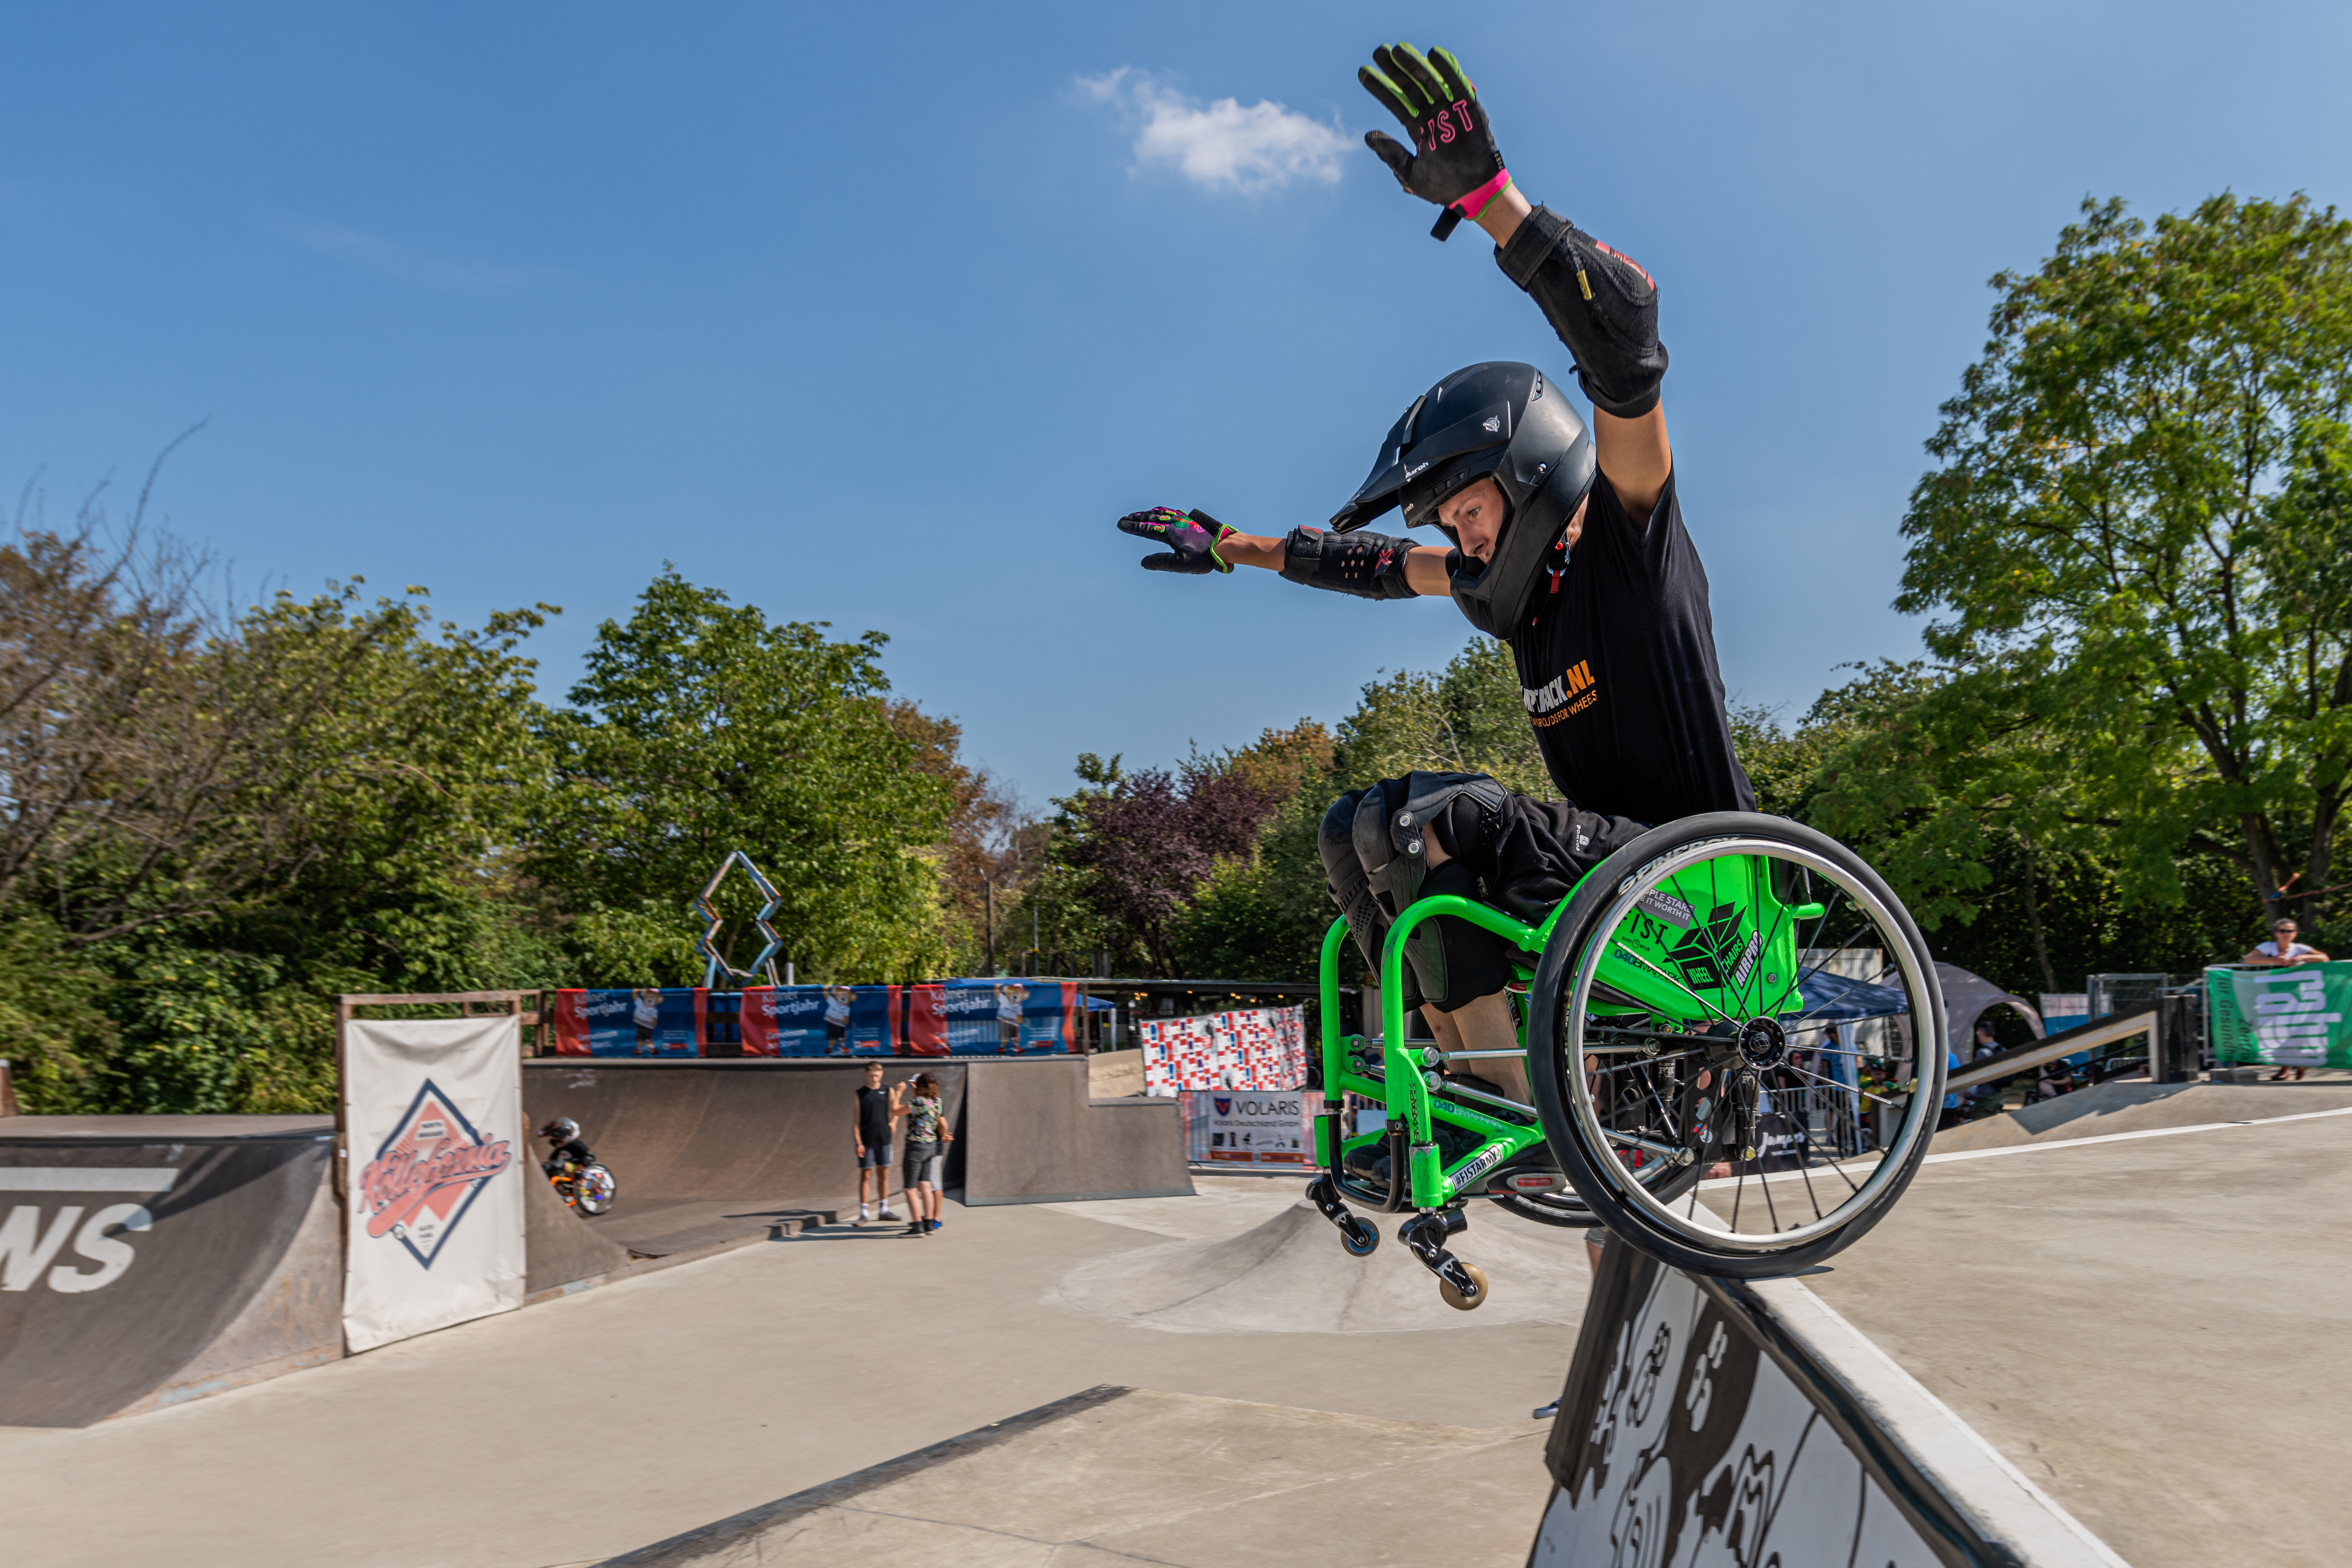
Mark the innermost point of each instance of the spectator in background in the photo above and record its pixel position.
(928, 1137)
(2057, 1078)
(877, 1109)
(2283, 949)
(2278, 952)
(1984, 1093)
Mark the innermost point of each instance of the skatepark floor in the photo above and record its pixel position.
(594, 1425)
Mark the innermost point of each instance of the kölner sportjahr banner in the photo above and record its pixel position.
(433, 1116)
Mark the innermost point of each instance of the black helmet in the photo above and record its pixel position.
(1501, 419)
(562, 1129)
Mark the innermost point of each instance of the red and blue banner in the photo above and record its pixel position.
(820, 1021)
(953, 1018)
(642, 1023)
(1009, 1017)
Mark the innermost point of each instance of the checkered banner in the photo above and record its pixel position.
(1259, 1047)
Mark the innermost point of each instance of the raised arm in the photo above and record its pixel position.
(1601, 303)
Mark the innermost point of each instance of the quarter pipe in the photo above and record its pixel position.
(144, 1260)
(706, 1150)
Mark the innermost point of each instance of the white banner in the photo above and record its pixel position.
(1246, 1126)
(439, 1153)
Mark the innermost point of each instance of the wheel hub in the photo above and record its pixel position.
(1763, 1043)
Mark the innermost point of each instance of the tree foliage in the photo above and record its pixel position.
(2136, 543)
(701, 728)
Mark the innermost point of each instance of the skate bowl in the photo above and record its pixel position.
(146, 1261)
(1288, 1274)
(704, 1150)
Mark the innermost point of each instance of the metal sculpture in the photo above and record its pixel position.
(707, 944)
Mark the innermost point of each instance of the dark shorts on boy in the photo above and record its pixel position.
(875, 1158)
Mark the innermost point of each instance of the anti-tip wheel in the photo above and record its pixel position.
(1455, 1298)
(1361, 1239)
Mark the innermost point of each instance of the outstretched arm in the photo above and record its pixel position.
(1601, 303)
(1369, 566)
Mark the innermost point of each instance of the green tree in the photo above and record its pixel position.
(2134, 543)
(702, 728)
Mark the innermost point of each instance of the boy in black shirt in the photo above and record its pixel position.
(1567, 543)
(877, 1109)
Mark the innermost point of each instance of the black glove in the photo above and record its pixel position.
(1191, 538)
(1459, 166)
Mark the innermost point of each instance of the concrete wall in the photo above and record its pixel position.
(1034, 1134)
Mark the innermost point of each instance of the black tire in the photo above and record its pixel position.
(1360, 1241)
(1562, 1011)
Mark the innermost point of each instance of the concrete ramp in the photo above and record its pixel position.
(2134, 1105)
(1289, 1275)
(559, 1247)
(705, 1152)
(1711, 1421)
(1036, 1134)
(142, 1268)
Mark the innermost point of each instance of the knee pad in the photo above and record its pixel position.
(1351, 889)
(1445, 954)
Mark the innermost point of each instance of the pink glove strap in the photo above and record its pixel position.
(1476, 201)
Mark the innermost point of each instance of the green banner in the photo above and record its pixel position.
(2284, 1016)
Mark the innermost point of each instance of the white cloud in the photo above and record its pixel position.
(1222, 145)
(401, 262)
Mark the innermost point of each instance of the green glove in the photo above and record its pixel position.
(1458, 166)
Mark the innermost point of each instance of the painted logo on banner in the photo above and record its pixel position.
(427, 1175)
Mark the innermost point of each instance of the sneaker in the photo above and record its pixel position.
(932, 1224)
(915, 1227)
(861, 1214)
(886, 1214)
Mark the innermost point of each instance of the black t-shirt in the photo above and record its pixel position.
(1617, 670)
(873, 1115)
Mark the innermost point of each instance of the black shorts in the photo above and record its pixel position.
(925, 1163)
(1519, 854)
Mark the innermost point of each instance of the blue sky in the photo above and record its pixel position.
(881, 315)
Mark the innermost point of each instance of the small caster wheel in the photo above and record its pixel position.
(1361, 1239)
(1457, 1299)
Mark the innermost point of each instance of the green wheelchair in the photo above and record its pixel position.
(1734, 1040)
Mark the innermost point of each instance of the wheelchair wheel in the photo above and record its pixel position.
(596, 1190)
(1738, 997)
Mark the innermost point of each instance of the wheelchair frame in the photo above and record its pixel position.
(1416, 1099)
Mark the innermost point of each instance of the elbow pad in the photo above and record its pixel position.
(1369, 566)
(1602, 305)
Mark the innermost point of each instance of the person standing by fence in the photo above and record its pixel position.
(928, 1137)
(2279, 953)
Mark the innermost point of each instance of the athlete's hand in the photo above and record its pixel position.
(1457, 164)
(1191, 538)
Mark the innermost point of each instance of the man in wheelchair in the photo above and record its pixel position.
(1564, 540)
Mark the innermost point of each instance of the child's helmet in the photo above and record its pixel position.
(562, 1129)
